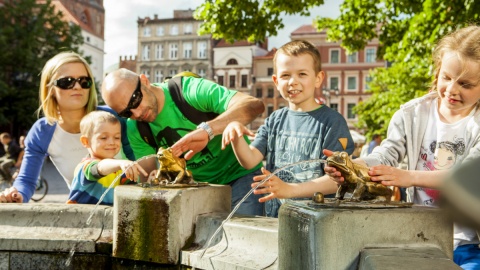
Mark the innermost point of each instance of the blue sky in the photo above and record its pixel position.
(121, 22)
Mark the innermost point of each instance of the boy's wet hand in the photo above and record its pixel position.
(274, 187)
(133, 170)
(334, 174)
(332, 171)
(234, 130)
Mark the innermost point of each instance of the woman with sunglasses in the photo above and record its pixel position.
(67, 93)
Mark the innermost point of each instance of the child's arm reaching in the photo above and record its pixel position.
(247, 156)
(108, 166)
(391, 176)
(276, 188)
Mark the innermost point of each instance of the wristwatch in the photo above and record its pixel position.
(208, 129)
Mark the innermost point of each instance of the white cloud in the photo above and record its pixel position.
(121, 30)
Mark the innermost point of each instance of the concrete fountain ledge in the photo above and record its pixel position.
(50, 227)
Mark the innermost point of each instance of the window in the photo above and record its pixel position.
(188, 29)
(370, 55)
(351, 83)
(187, 50)
(220, 80)
(244, 80)
(352, 58)
(334, 83)
(258, 93)
(269, 71)
(158, 75)
(146, 31)
(146, 52)
(174, 30)
(270, 92)
(159, 51)
(232, 81)
(146, 72)
(350, 114)
(160, 31)
(202, 49)
(173, 72)
(173, 51)
(334, 56)
(232, 62)
(269, 109)
(202, 72)
(334, 106)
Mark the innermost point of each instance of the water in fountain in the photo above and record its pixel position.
(89, 220)
(250, 192)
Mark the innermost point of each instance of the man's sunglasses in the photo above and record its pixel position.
(69, 82)
(134, 102)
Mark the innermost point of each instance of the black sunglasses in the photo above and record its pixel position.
(69, 82)
(134, 102)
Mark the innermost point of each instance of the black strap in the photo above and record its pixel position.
(190, 112)
(147, 134)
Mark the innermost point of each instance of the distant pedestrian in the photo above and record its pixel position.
(10, 158)
(376, 140)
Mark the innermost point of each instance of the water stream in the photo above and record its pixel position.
(89, 220)
(250, 192)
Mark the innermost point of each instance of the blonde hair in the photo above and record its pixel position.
(48, 103)
(465, 42)
(299, 47)
(94, 118)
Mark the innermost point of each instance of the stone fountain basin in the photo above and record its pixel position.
(51, 227)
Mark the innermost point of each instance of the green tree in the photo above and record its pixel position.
(407, 32)
(30, 34)
(250, 20)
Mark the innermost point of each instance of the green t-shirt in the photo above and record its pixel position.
(212, 164)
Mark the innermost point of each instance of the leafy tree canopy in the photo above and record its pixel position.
(250, 20)
(407, 32)
(30, 34)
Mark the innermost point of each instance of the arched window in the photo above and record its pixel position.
(232, 61)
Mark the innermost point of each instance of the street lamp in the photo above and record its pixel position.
(328, 93)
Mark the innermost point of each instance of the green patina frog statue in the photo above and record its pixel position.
(357, 181)
(172, 169)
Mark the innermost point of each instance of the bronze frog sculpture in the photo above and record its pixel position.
(172, 169)
(357, 181)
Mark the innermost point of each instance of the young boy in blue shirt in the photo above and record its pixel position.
(101, 135)
(295, 133)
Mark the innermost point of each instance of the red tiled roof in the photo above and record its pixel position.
(269, 55)
(68, 16)
(305, 29)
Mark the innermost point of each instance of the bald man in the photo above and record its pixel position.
(133, 96)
